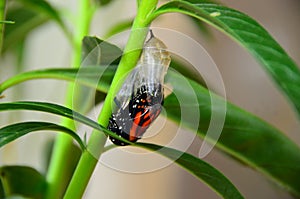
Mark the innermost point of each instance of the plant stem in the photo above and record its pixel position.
(97, 140)
(56, 176)
(2, 18)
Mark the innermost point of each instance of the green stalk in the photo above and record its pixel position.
(97, 140)
(58, 170)
(2, 18)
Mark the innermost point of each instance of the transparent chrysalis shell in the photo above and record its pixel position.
(140, 99)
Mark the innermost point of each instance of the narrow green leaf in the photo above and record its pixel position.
(45, 7)
(48, 108)
(119, 27)
(200, 169)
(27, 17)
(57, 110)
(25, 21)
(92, 76)
(244, 136)
(248, 33)
(15, 131)
(103, 2)
(22, 180)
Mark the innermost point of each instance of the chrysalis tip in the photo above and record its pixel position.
(151, 33)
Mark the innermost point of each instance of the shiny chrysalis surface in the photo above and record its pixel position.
(139, 101)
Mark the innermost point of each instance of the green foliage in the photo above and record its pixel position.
(248, 33)
(14, 131)
(43, 7)
(200, 169)
(66, 74)
(98, 52)
(57, 110)
(25, 21)
(27, 16)
(103, 2)
(244, 136)
(22, 181)
(119, 27)
(194, 165)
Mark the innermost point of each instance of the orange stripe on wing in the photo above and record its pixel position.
(135, 124)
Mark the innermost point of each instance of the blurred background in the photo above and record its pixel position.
(245, 82)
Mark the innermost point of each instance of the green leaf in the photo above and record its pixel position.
(119, 27)
(98, 52)
(244, 136)
(15, 131)
(87, 76)
(248, 33)
(22, 180)
(27, 17)
(46, 8)
(25, 21)
(201, 25)
(92, 76)
(103, 2)
(200, 169)
(48, 108)
(58, 110)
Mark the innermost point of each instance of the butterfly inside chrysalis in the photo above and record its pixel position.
(139, 101)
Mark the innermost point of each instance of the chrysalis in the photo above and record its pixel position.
(140, 99)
